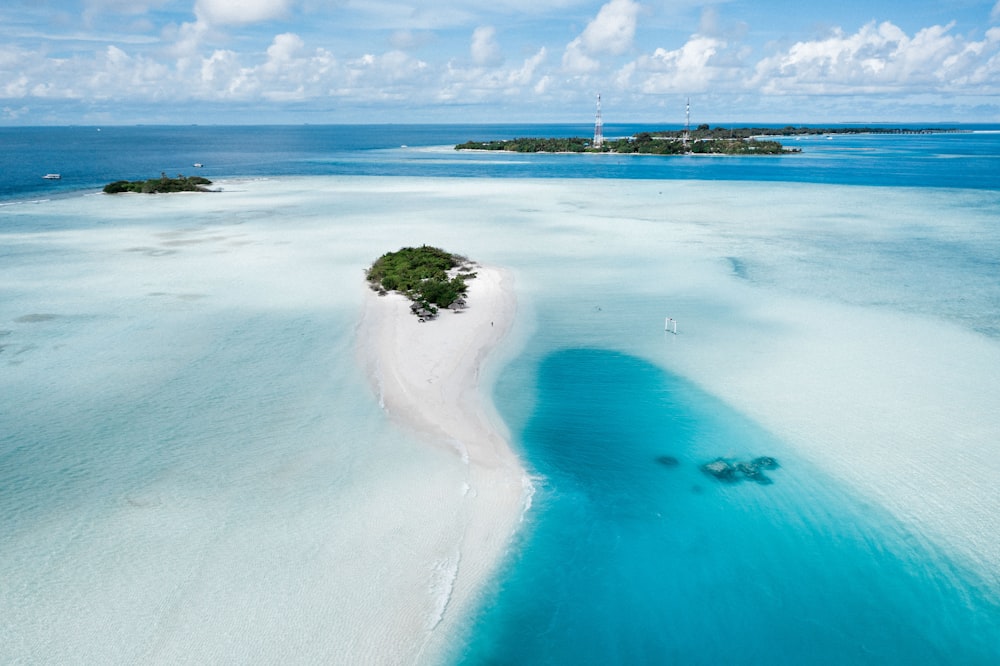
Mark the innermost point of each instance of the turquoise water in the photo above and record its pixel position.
(90, 157)
(629, 560)
(193, 465)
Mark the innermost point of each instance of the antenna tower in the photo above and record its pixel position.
(598, 126)
(687, 121)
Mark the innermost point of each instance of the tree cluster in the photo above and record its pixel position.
(159, 185)
(706, 132)
(531, 145)
(701, 141)
(422, 275)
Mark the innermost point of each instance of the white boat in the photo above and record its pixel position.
(198, 165)
(51, 176)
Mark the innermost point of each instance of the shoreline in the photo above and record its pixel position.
(427, 379)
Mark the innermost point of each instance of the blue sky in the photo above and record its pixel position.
(350, 61)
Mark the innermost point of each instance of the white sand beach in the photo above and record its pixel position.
(428, 378)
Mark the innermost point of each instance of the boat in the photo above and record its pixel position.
(198, 165)
(51, 176)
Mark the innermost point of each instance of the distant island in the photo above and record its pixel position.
(429, 276)
(701, 140)
(646, 143)
(160, 185)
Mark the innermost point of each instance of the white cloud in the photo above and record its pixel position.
(530, 66)
(575, 59)
(98, 14)
(687, 69)
(11, 113)
(117, 74)
(613, 29)
(391, 75)
(217, 57)
(709, 22)
(185, 39)
(879, 59)
(240, 12)
(479, 83)
(222, 71)
(995, 14)
(404, 40)
(16, 87)
(484, 48)
(283, 49)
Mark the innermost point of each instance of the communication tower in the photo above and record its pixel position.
(687, 121)
(598, 126)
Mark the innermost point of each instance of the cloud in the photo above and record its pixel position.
(613, 29)
(575, 59)
(219, 56)
(708, 24)
(115, 75)
(481, 83)
(221, 74)
(881, 58)
(995, 14)
(10, 113)
(94, 9)
(391, 75)
(240, 12)
(527, 70)
(687, 69)
(405, 40)
(284, 48)
(484, 48)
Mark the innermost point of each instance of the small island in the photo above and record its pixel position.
(160, 185)
(646, 143)
(429, 276)
(703, 140)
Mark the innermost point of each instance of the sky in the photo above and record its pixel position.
(497, 61)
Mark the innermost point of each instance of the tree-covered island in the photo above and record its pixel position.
(428, 276)
(160, 185)
(701, 140)
(646, 143)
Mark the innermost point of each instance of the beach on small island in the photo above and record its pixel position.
(429, 378)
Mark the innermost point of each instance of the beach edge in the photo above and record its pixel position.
(428, 379)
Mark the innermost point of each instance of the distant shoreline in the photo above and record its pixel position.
(703, 140)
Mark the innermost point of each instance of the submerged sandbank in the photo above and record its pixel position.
(203, 360)
(427, 376)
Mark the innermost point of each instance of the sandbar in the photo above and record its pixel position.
(428, 378)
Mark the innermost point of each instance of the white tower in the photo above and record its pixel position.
(687, 121)
(598, 126)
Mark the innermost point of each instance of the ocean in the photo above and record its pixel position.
(194, 468)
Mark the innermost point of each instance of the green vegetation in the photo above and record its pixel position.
(531, 145)
(428, 276)
(646, 143)
(703, 140)
(652, 144)
(705, 132)
(159, 185)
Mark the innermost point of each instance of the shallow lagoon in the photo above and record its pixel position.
(191, 428)
(630, 560)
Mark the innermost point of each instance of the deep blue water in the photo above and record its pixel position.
(89, 157)
(629, 560)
